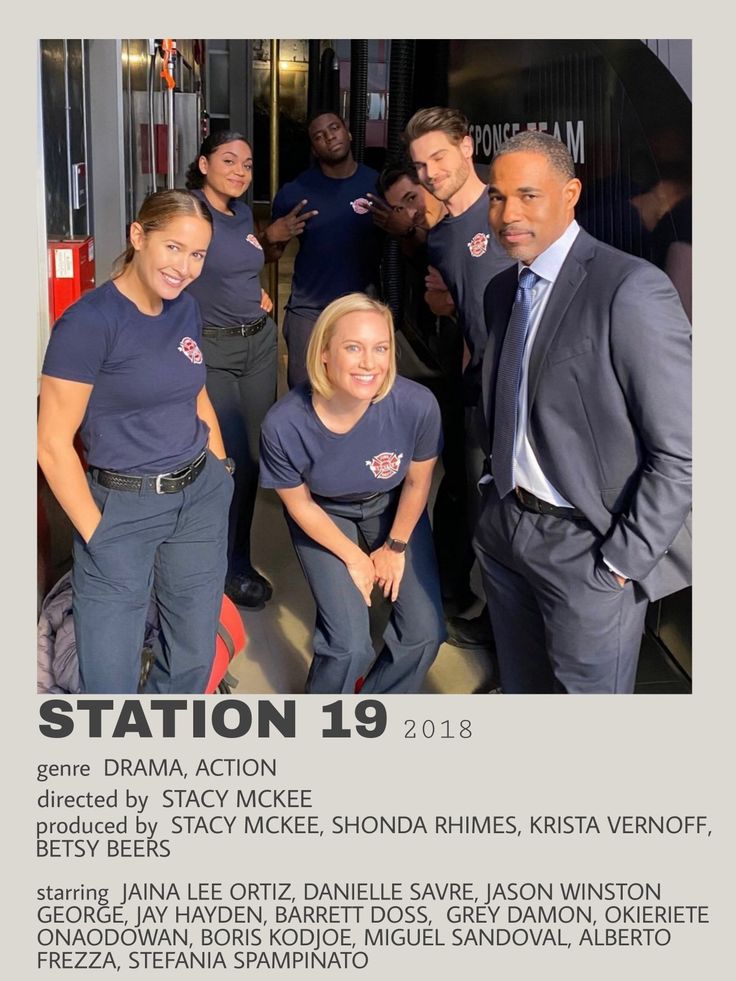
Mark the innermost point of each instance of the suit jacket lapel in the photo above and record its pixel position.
(504, 287)
(568, 282)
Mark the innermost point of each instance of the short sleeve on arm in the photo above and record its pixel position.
(429, 430)
(78, 346)
(277, 471)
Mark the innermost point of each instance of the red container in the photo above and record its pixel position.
(231, 640)
(71, 272)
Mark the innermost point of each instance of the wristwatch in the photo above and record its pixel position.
(395, 544)
(229, 465)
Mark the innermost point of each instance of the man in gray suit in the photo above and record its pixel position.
(586, 394)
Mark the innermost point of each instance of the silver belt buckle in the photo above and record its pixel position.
(182, 474)
(160, 477)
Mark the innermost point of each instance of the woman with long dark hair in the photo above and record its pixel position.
(239, 339)
(124, 367)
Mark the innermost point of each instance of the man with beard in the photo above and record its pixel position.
(461, 246)
(339, 245)
(467, 256)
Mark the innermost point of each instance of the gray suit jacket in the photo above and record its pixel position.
(609, 405)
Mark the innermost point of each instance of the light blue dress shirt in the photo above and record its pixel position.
(527, 471)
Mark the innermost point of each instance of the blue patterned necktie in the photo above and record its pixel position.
(507, 384)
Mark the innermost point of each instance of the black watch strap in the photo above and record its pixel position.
(395, 544)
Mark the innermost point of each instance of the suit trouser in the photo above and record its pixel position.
(561, 621)
(343, 650)
(241, 384)
(297, 331)
(174, 544)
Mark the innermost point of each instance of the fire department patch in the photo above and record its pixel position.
(478, 244)
(254, 241)
(361, 206)
(385, 465)
(189, 347)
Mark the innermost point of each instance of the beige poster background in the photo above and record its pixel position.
(598, 756)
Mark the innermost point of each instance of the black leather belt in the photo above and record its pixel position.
(236, 330)
(366, 499)
(163, 483)
(529, 502)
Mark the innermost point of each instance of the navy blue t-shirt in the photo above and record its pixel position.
(468, 255)
(297, 448)
(228, 289)
(147, 373)
(339, 248)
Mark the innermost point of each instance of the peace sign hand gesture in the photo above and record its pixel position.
(289, 225)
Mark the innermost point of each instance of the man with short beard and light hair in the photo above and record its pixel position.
(461, 246)
(467, 256)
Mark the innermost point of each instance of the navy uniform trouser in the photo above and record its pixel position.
(241, 384)
(173, 544)
(343, 650)
(297, 331)
(450, 526)
(561, 621)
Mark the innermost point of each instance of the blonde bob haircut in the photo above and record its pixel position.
(324, 331)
